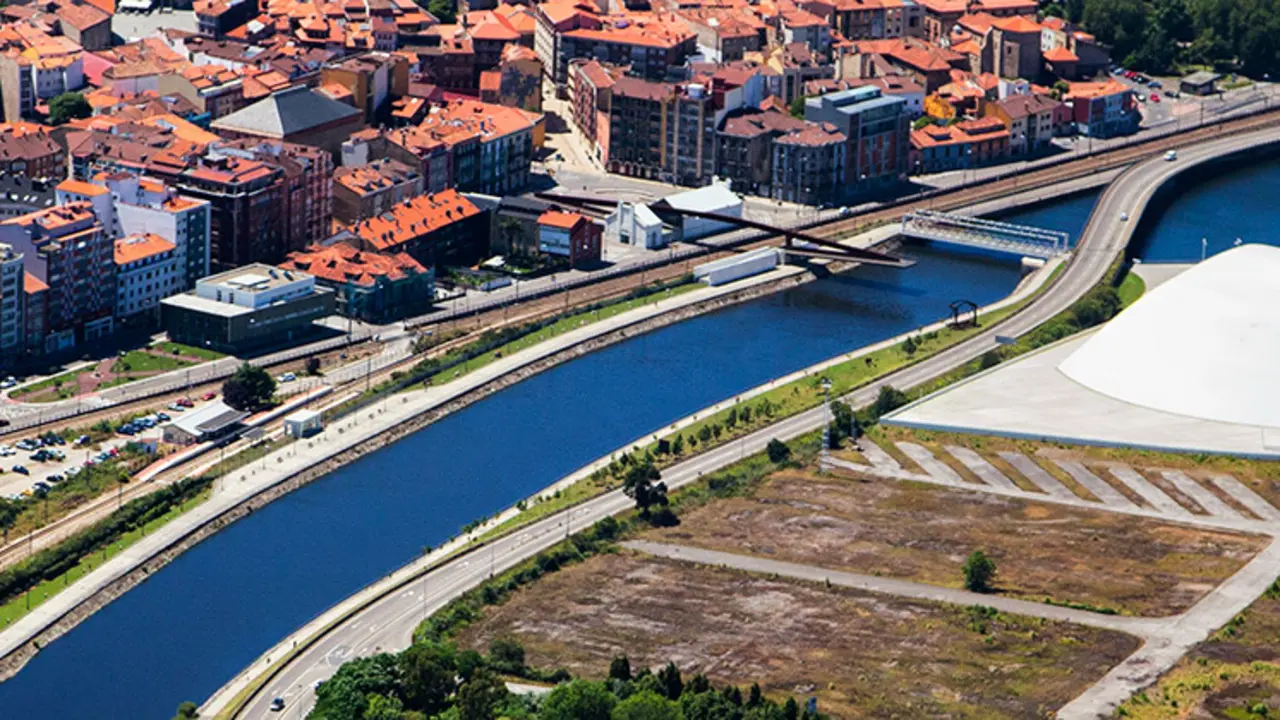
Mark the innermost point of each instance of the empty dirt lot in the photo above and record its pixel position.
(862, 655)
(1235, 675)
(923, 532)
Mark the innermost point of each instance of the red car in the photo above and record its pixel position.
(185, 402)
(1154, 98)
(209, 395)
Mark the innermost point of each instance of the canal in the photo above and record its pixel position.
(203, 618)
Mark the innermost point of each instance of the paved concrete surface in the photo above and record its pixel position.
(1142, 627)
(979, 466)
(1155, 274)
(1033, 472)
(1094, 484)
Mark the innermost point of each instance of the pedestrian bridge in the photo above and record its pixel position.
(975, 232)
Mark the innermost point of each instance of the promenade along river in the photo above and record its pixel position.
(200, 620)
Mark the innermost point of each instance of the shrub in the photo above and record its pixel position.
(979, 572)
(778, 451)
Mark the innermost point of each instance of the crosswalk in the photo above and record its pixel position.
(1216, 499)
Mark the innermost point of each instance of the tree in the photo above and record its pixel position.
(672, 684)
(844, 422)
(677, 447)
(642, 484)
(889, 399)
(345, 696)
(479, 697)
(797, 107)
(909, 345)
(979, 572)
(248, 388)
(381, 707)
(444, 10)
(791, 710)
(506, 654)
(1118, 23)
(427, 677)
(68, 106)
(777, 451)
(578, 700)
(187, 711)
(646, 705)
(755, 697)
(620, 668)
(313, 365)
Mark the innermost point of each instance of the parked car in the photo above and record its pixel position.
(55, 478)
(1155, 98)
(21, 470)
(8, 382)
(287, 377)
(185, 402)
(27, 444)
(73, 471)
(6, 451)
(1155, 84)
(209, 395)
(177, 407)
(84, 440)
(161, 417)
(4, 422)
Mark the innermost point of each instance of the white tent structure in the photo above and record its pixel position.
(1189, 367)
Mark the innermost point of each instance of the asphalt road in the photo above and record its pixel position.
(387, 624)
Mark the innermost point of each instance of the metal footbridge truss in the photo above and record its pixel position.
(975, 232)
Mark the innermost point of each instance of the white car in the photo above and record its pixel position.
(6, 451)
(8, 382)
(1124, 217)
(1171, 156)
(287, 377)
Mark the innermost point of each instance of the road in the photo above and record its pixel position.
(387, 624)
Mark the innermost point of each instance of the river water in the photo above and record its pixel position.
(203, 618)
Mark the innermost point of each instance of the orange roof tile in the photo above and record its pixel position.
(133, 248)
(1060, 54)
(32, 284)
(562, 220)
(1016, 24)
(341, 263)
(417, 217)
(82, 188)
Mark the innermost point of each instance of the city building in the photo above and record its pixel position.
(726, 34)
(69, 250)
(591, 99)
(1031, 120)
(246, 200)
(35, 313)
(147, 271)
(127, 204)
(635, 224)
(307, 174)
(569, 235)
(250, 307)
(296, 115)
(517, 81)
(662, 131)
(439, 229)
(363, 191)
(36, 67)
(961, 146)
(716, 198)
(30, 151)
(940, 16)
(207, 423)
(367, 77)
(369, 286)
(776, 155)
(12, 321)
(1200, 83)
(1103, 109)
(490, 147)
(650, 43)
(875, 19)
(877, 135)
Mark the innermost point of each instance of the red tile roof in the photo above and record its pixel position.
(341, 263)
(414, 218)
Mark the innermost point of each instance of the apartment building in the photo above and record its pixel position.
(1103, 109)
(148, 270)
(571, 236)
(367, 77)
(36, 67)
(489, 147)
(877, 135)
(307, 173)
(68, 249)
(28, 150)
(651, 44)
(246, 202)
(444, 228)
(1032, 120)
(662, 131)
(12, 319)
(961, 146)
(363, 191)
(369, 286)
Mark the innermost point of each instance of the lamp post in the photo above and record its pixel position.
(826, 404)
(1204, 248)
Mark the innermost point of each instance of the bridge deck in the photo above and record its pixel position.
(981, 233)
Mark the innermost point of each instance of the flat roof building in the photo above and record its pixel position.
(252, 307)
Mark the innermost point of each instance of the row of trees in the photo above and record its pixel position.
(436, 679)
(1153, 35)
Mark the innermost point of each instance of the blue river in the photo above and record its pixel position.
(1238, 204)
(196, 623)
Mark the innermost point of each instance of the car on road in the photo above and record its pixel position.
(8, 382)
(1171, 156)
(277, 704)
(1124, 217)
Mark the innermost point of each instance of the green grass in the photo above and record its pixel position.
(17, 607)
(67, 381)
(1131, 288)
(190, 350)
(1242, 82)
(560, 327)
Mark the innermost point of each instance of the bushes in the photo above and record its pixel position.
(52, 562)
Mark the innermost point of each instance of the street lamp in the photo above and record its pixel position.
(1204, 248)
(826, 404)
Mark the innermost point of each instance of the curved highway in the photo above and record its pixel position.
(387, 624)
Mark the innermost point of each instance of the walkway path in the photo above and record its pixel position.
(1142, 627)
